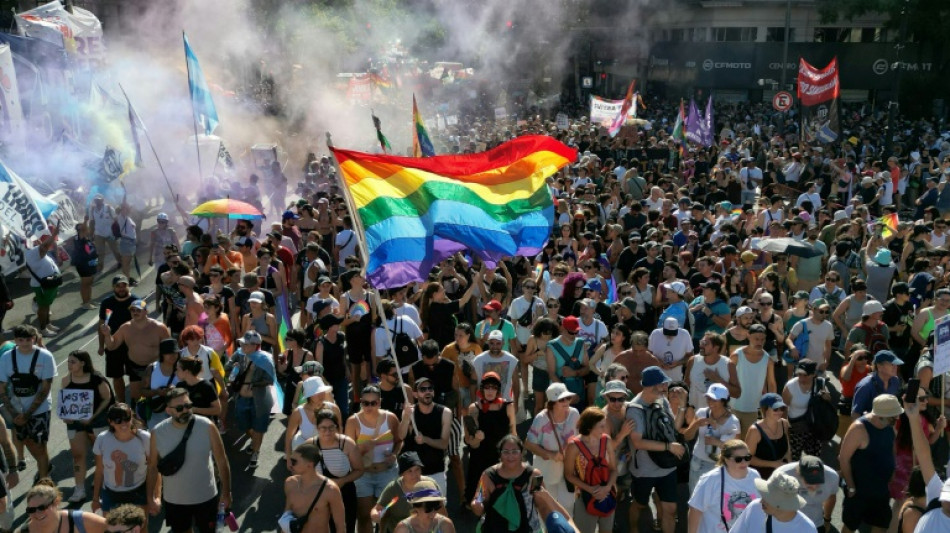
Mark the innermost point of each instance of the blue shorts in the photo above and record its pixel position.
(371, 484)
(247, 418)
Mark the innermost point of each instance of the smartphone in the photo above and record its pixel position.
(913, 387)
(536, 482)
(470, 425)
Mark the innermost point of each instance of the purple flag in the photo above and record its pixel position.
(708, 125)
(694, 125)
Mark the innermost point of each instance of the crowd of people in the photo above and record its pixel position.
(716, 318)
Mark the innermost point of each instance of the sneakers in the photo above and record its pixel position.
(89, 306)
(79, 495)
(253, 462)
(133, 282)
(53, 328)
(21, 465)
(48, 332)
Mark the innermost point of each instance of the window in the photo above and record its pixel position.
(733, 35)
(696, 35)
(833, 35)
(873, 35)
(676, 35)
(776, 34)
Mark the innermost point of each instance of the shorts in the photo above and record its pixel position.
(591, 377)
(86, 271)
(74, 427)
(539, 380)
(371, 484)
(45, 297)
(180, 517)
(875, 512)
(110, 499)
(665, 488)
(36, 429)
(135, 371)
(116, 362)
(247, 417)
(126, 246)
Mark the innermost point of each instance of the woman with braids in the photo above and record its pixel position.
(83, 376)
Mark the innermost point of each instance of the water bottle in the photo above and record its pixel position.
(712, 450)
(222, 513)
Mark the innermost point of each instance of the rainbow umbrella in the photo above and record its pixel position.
(227, 208)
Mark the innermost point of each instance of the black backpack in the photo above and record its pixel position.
(404, 346)
(821, 415)
(659, 425)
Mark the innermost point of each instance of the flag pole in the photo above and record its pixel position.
(194, 120)
(364, 255)
(157, 159)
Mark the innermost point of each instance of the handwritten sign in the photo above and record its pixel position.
(942, 345)
(75, 404)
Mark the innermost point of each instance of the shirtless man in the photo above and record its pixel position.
(193, 303)
(303, 486)
(142, 336)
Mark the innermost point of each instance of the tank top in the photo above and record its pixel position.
(699, 383)
(777, 298)
(799, 403)
(391, 400)
(770, 450)
(873, 466)
(733, 343)
(334, 359)
(334, 463)
(429, 425)
(259, 324)
(855, 310)
(384, 437)
(306, 430)
(928, 325)
(92, 385)
(752, 379)
(158, 380)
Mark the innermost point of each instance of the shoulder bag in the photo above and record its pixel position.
(170, 464)
(553, 471)
(297, 524)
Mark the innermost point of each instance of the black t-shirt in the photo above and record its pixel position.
(202, 394)
(441, 376)
(226, 296)
(628, 258)
(895, 315)
(441, 322)
(120, 315)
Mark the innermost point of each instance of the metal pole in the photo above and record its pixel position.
(893, 107)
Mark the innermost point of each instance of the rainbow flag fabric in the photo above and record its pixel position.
(419, 211)
(890, 223)
(421, 144)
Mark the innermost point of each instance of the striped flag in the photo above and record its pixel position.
(421, 144)
(203, 106)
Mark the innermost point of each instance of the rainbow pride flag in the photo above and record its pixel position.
(890, 223)
(421, 144)
(419, 211)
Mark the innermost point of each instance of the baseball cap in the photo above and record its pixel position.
(138, 304)
(744, 310)
(251, 337)
(677, 286)
(420, 381)
(871, 307)
(496, 335)
(671, 326)
(256, 296)
(593, 285)
(653, 375)
(493, 305)
(571, 324)
(717, 391)
(811, 470)
(312, 368)
(887, 356)
(289, 214)
(120, 279)
(773, 401)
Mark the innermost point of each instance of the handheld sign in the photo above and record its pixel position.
(942, 345)
(75, 404)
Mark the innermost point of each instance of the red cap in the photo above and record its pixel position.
(571, 324)
(491, 375)
(493, 305)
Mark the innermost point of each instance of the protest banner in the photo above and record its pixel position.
(75, 404)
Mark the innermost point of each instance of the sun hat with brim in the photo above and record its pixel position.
(872, 306)
(557, 392)
(616, 387)
(313, 386)
(652, 376)
(886, 406)
(781, 492)
(883, 257)
(425, 490)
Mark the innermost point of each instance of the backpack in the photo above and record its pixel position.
(597, 474)
(801, 341)
(874, 339)
(404, 346)
(821, 415)
(658, 426)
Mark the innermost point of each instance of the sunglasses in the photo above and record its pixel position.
(38, 508)
(822, 311)
(766, 304)
(616, 399)
(553, 306)
(121, 530)
(369, 403)
(182, 407)
(120, 419)
(511, 451)
(739, 459)
(429, 507)
(425, 389)
(530, 287)
(327, 427)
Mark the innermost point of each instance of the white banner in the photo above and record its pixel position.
(603, 111)
(562, 122)
(79, 32)
(942, 345)
(11, 114)
(500, 113)
(75, 404)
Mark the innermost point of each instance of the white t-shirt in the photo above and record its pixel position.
(593, 333)
(933, 522)
(102, 218)
(671, 349)
(409, 311)
(814, 198)
(123, 462)
(728, 430)
(814, 500)
(518, 307)
(505, 366)
(735, 496)
(45, 369)
(818, 335)
(753, 519)
(346, 240)
(42, 265)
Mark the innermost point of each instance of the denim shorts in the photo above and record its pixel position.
(371, 484)
(246, 416)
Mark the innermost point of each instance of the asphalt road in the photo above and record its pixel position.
(258, 494)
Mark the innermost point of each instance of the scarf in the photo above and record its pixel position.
(485, 405)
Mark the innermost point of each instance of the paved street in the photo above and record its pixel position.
(258, 494)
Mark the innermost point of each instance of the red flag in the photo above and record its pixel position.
(621, 118)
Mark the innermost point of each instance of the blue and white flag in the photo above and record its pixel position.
(20, 210)
(201, 102)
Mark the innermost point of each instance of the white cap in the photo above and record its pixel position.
(840, 214)
(717, 391)
(744, 310)
(671, 326)
(871, 307)
(496, 335)
(677, 287)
